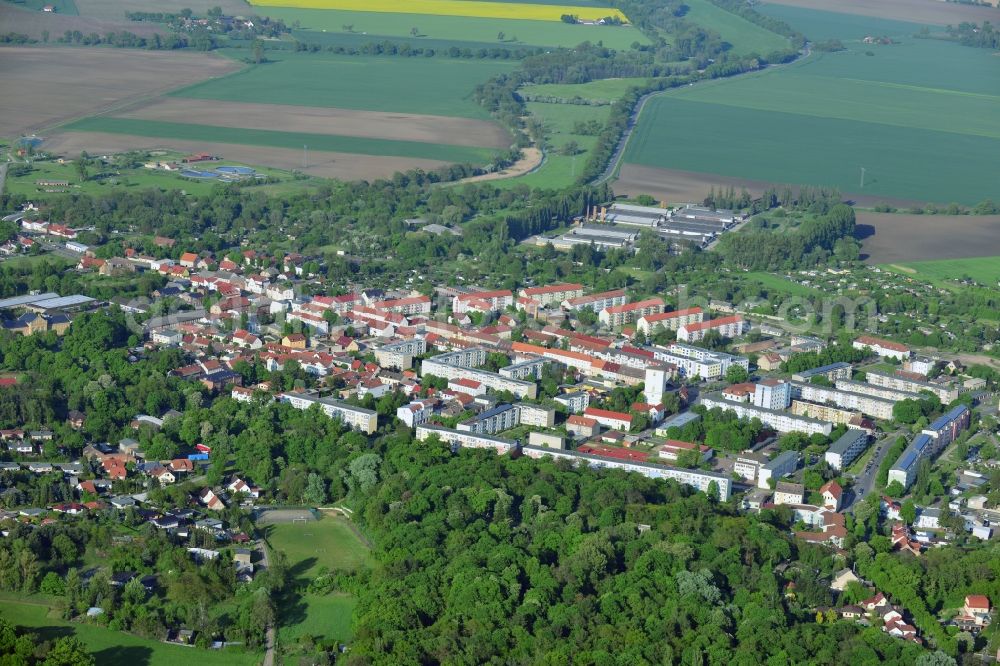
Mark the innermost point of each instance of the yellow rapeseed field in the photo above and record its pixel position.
(498, 10)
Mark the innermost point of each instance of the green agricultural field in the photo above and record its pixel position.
(984, 270)
(602, 89)
(356, 40)
(65, 7)
(435, 86)
(821, 25)
(113, 648)
(272, 139)
(516, 32)
(782, 285)
(922, 117)
(745, 37)
(560, 170)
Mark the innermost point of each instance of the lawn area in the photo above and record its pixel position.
(65, 7)
(560, 170)
(782, 284)
(376, 25)
(138, 179)
(257, 137)
(602, 89)
(922, 116)
(985, 270)
(464, 8)
(436, 86)
(745, 37)
(112, 648)
(311, 547)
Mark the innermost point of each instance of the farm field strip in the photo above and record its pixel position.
(985, 270)
(320, 120)
(794, 148)
(746, 37)
(342, 166)
(269, 138)
(602, 89)
(897, 238)
(923, 11)
(374, 26)
(468, 8)
(900, 105)
(406, 85)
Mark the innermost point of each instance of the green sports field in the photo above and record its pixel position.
(922, 117)
(436, 86)
(109, 647)
(516, 32)
(745, 37)
(272, 139)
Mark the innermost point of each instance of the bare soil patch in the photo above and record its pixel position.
(46, 86)
(318, 120)
(531, 158)
(342, 166)
(893, 237)
(33, 23)
(933, 12)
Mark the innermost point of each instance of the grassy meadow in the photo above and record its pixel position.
(602, 89)
(434, 86)
(921, 116)
(984, 270)
(375, 26)
(744, 36)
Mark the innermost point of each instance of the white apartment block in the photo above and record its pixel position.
(528, 369)
(363, 420)
(596, 302)
(553, 293)
(689, 477)
(772, 394)
(694, 361)
(411, 305)
(626, 314)
(779, 421)
(876, 391)
(727, 327)
(945, 393)
(490, 422)
(464, 439)
(882, 347)
(846, 449)
(781, 465)
(415, 413)
(575, 402)
(461, 365)
(400, 355)
(869, 405)
(670, 321)
(536, 415)
(656, 383)
(829, 413)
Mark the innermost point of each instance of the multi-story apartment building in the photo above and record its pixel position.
(946, 393)
(875, 391)
(363, 420)
(620, 315)
(882, 347)
(689, 477)
(694, 361)
(528, 369)
(833, 372)
(869, 405)
(846, 449)
(772, 394)
(727, 327)
(929, 443)
(470, 440)
(536, 416)
(492, 421)
(497, 299)
(776, 420)
(608, 418)
(829, 413)
(905, 468)
(670, 320)
(400, 355)
(462, 365)
(415, 413)
(411, 305)
(781, 465)
(553, 293)
(575, 401)
(596, 302)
